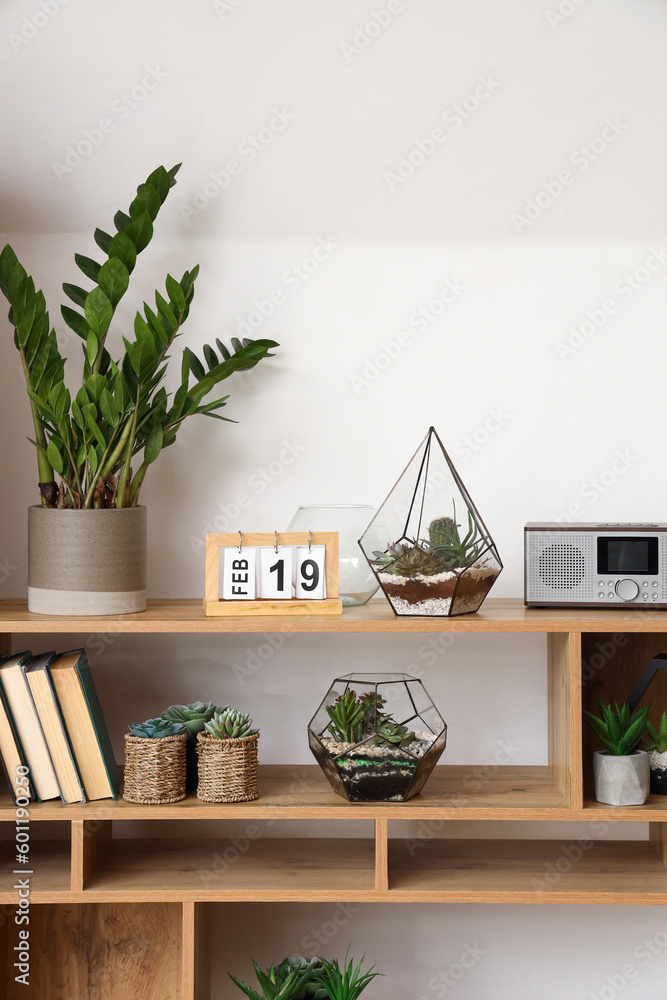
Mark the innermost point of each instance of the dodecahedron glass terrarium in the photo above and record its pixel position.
(439, 559)
(377, 737)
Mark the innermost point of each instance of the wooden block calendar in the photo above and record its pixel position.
(286, 562)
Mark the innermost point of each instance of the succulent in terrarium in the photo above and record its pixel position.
(446, 543)
(193, 717)
(373, 703)
(230, 724)
(155, 729)
(405, 559)
(347, 717)
(274, 986)
(389, 731)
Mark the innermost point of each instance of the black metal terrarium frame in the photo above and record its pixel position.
(344, 769)
(419, 497)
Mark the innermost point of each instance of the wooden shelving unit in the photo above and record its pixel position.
(92, 885)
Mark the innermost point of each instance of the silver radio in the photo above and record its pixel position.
(596, 565)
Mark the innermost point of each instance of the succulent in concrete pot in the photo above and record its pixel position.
(621, 771)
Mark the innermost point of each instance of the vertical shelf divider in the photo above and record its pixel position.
(196, 952)
(381, 855)
(89, 840)
(657, 834)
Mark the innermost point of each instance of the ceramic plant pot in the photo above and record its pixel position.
(621, 781)
(658, 764)
(86, 562)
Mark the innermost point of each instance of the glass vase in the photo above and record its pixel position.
(357, 582)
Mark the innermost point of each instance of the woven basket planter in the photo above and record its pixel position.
(227, 768)
(154, 769)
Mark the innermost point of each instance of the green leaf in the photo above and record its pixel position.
(114, 279)
(75, 293)
(147, 200)
(93, 460)
(211, 356)
(176, 293)
(75, 321)
(156, 325)
(196, 367)
(54, 457)
(161, 181)
(92, 347)
(223, 350)
(90, 268)
(123, 248)
(153, 445)
(135, 352)
(103, 240)
(8, 261)
(140, 231)
(99, 313)
(121, 221)
(165, 310)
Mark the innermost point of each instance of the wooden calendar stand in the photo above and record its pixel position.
(216, 607)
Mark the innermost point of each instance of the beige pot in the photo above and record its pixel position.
(86, 562)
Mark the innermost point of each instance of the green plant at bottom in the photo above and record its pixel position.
(658, 737)
(229, 724)
(193, 717)
(274, 985)
(347, 983)
(619, 731)
(155, 729)
(310, 990)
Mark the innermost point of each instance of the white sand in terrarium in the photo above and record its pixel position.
(417, 747)
(419, 577)
(435, 606)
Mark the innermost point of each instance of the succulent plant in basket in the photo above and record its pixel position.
(227, 758)
(193, 717)
(155, 762)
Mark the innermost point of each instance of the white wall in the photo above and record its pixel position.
(579, 398)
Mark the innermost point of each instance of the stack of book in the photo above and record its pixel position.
(51, 722)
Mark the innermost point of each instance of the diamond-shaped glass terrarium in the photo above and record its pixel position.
(377, 737)
(438, 559)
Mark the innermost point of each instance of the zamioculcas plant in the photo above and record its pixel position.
(347, 983)
(102, 440)
(619, 731)
(274, 985)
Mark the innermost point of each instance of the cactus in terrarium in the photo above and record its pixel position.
(347, 717)
(229, 724)
(407, 560)
(193, 717)
(447, 546)
(155, 729)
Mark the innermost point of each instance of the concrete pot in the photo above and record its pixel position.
(86, 562)
(621, 781)
(658, 764)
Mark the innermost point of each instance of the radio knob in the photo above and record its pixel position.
(627, 590)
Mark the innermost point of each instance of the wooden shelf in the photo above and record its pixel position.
(524, 871)
(50, 864)
(186, 615)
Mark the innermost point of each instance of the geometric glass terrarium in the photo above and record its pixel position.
(377, 737)
(438, 558)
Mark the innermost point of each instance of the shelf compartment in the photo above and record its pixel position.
(101, 950)
(49, 862)
(295, 869)
(528, 871)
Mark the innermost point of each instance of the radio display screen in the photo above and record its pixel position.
(627, 555)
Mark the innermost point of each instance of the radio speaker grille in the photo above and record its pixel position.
(562, 566)
(559, 566)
